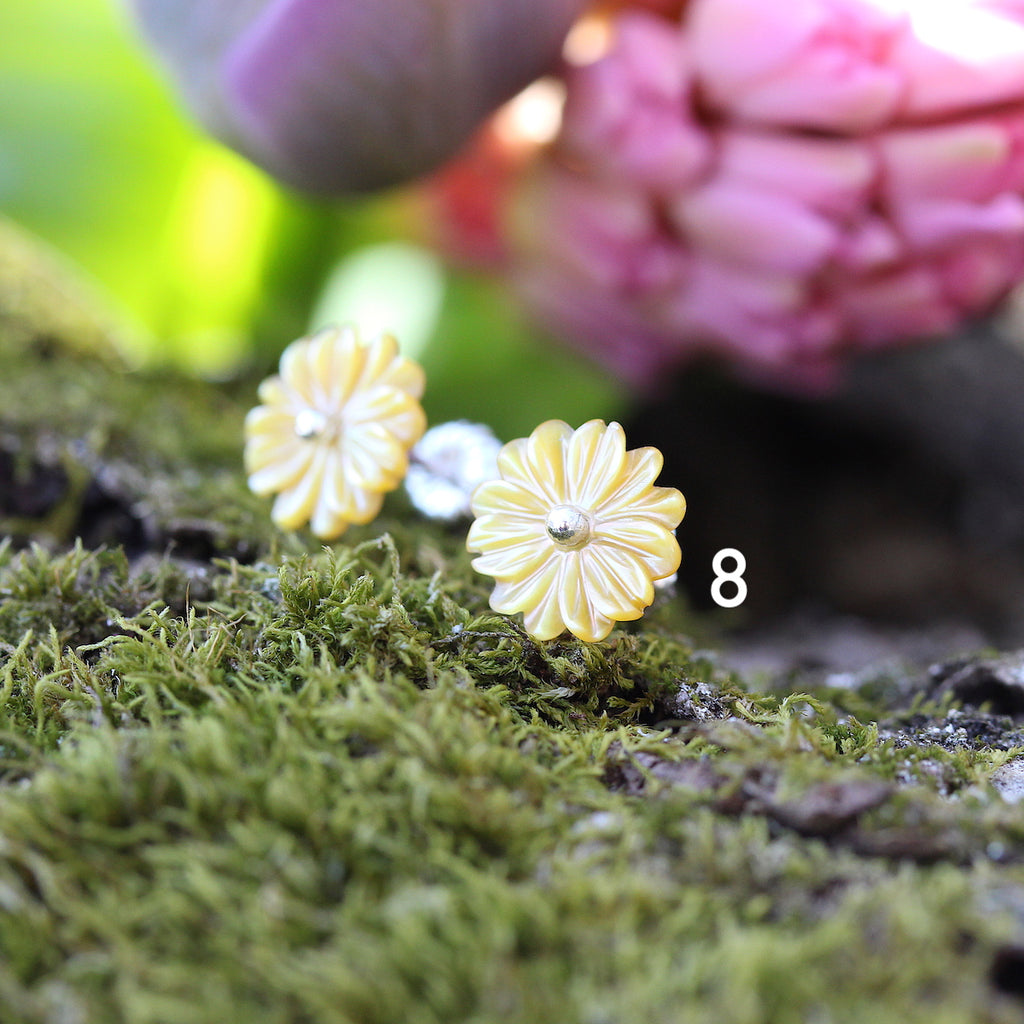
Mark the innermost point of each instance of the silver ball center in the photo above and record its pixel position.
(311, 424)
(568, 526)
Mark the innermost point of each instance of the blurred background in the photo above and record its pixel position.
(211, 266)
(897, 498)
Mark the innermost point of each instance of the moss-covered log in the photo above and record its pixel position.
(245, 781)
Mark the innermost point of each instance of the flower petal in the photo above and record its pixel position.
(595, 462)
(620, 584)
(381, 352)
(513, 561)
(372, 458)
(577, 610)
(663, 505)
(405, 375)
(510, 596)
(328, 526)
(342, 497)
(339, 508)
(545, 455)
(274, 392)
(502, 497)
(543, 621)
(336, 489)
(358, 506)
(338, 358)
(394, 411)
(326, 516)
(269, 419)
(537, 462)
(293, 507)
(408, 423)
(297, 372)
(652, 543)
(495, 533)
(363, 505)
(269, 475)
(641, 470)
(389, 441)
(264, 448)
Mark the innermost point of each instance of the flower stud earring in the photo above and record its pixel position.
(334, 431)
(574, 532)
(447, 465)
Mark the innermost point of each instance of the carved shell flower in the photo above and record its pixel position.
(575, 533)
(334, 430)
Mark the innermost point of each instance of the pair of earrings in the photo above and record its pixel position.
(570, 524)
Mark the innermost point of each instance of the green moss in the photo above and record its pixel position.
(89, 447)
(334, 787)
(340, 790)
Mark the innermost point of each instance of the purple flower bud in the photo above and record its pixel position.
(337, 95)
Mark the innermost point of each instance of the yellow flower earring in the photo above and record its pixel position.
(574, 532)
(572, 528)
(334, 431)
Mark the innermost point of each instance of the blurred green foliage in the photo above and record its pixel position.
(212, 266)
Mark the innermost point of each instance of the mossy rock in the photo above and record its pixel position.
(90, 449)
(245, 778)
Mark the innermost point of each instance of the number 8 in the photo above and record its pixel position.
(735, 577)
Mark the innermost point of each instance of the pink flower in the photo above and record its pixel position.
(778, 184)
